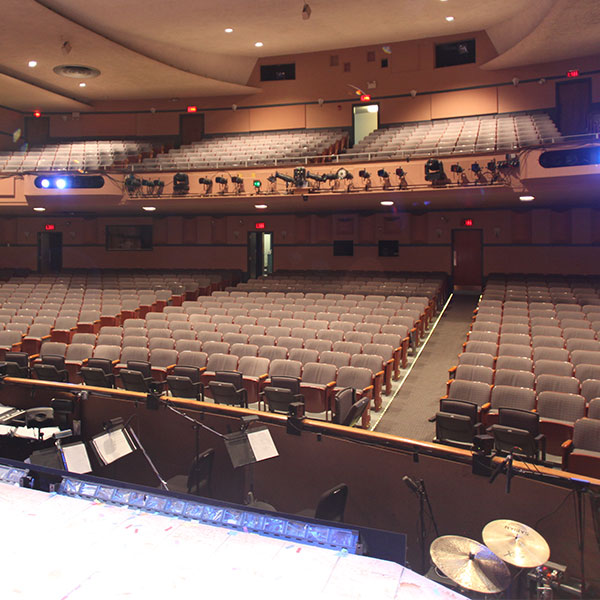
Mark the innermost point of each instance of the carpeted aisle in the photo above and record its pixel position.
(418, 398)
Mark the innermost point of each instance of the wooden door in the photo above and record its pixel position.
(573, 102)
(467, 257)
(191, 128)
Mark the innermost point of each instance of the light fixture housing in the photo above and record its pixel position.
(434, 170)
(181, 183)
(149, 208)
(526, 198)
(39, 208)
(32, 63)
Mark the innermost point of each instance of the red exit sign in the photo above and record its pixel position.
(259, 225)
(573, 73)
(49, 227)
(468, 222)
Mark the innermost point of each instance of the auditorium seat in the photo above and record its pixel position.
(581, 454)
(558, 412)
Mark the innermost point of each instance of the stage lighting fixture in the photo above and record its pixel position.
(344, 174)
(299, 176)
(45, 183)
(257, 183)
(491, 165)
(159, 185)
(237, 180)
(221, 180)
(512, 160)
(315, 176)
(456, 168)
(181, 183)
(400, 172)
(434, 170)
(476, 168)
(284, 177)
(132, 184)
(306, 11)
(364, 174)
(330, 176)
(61, 183)
(205, 182)
(271, 179)
(383, 174)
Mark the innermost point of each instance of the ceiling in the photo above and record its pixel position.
(152, 49)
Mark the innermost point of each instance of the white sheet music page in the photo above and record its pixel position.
(112, 445)
(262, 444)
(76, 458)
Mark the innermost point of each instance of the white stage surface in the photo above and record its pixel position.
(57, 547)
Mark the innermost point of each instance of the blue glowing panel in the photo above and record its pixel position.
(232, 517)
(214, 514)
(105, 493)
(45, 183)
(61, 183)
(193, 510)
(137, 499)
(254, 521)
(155, 503)
(317, 534)
(274, 526)
(175, 506)
(88, 489)
(296, 529)
(123, 496)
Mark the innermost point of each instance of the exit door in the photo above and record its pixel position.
(49, 251)
(260, 254)
(467, 258)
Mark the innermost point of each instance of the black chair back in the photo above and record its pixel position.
(200, 475)
(332, 504)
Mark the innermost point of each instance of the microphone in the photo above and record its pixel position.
(412, 484)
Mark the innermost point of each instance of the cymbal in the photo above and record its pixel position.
(515, 543)
(470, 564)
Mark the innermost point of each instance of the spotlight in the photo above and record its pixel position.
(181, 183)
(299, 176)
(207, 183)
(257, 183)
(400, 172)
(132, 184)
(385, 177)
(271, 179)
(284, 177)
(330, 176)
(476, 168)
(221, 180)
(45, 183)
(434, 170)
(366, 177)
(456, 168)
(306, 12)
(61, 183)
(512, 160)
(316, 176)
(237, 180)
(159, 185)
(491, 165)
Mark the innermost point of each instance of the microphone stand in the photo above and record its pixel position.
(163, 483)
(196, 425)
(505, 465)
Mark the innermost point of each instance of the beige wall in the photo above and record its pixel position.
(293, 104)
(530, 241)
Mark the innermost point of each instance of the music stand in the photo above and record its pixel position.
(248, 447)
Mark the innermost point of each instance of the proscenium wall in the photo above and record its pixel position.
(525, 241)
(293, 104)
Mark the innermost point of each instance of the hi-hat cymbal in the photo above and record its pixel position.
(515, 543)
(470, 564)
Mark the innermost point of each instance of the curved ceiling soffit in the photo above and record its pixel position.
(565, 30)
(217, 63)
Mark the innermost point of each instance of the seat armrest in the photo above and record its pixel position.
(452, 371)
(567, 448)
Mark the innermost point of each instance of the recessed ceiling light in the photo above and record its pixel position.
(149, 208)
(82, 84)
(526, 198)
(259, 44)
(39, 208)
(261, 206)
(387, 203)
(229, 30)
(32, 63)
(449, 19)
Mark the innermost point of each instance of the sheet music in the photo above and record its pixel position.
(112, 445)
(29, 432)
(76, 458)
(262, 444)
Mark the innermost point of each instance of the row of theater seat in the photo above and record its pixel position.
(534, 355)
